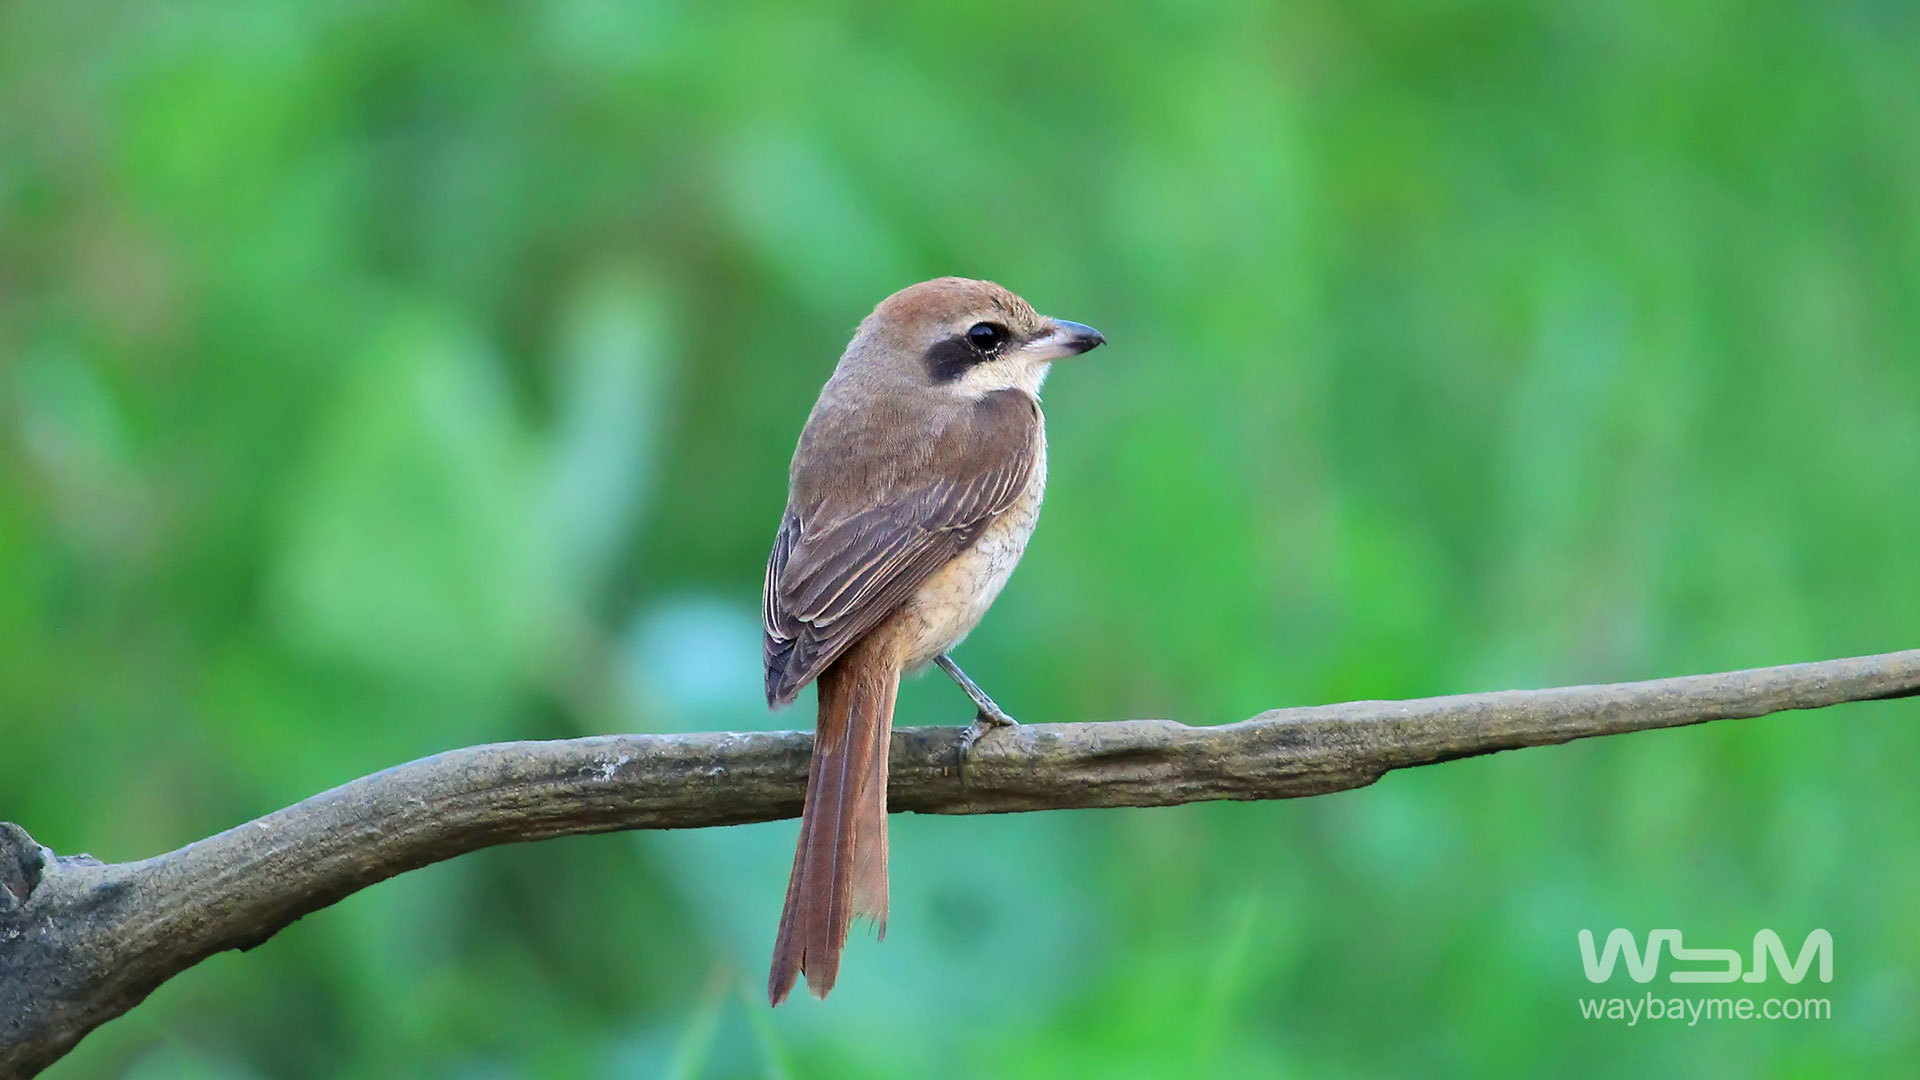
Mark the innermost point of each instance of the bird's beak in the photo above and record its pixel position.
(1067, 339)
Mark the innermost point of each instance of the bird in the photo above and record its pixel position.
(913, 490)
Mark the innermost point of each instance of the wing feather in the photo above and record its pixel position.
(836, 571)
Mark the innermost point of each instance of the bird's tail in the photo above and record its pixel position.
(840, 865)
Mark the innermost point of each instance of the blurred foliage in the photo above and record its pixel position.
(380, 378)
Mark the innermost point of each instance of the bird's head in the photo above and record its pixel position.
(966, 337)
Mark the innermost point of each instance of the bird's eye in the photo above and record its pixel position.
(986, 336)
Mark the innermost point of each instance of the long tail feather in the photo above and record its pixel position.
(840, 863)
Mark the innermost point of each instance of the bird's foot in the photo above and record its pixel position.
(988, 719)
(990, 716)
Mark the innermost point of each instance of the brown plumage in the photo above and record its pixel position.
(915, 485)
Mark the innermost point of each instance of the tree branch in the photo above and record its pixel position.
(82, 941)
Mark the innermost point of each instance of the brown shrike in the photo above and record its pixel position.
(913, 491)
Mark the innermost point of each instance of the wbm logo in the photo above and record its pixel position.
(1644, 966)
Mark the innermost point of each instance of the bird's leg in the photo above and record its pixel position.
(990, 715)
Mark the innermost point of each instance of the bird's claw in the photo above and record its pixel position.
(983, 722)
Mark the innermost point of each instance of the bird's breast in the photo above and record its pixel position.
(951, 602)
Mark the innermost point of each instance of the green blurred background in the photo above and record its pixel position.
(382, 378)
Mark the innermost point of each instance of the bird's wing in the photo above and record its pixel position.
(837, 570)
